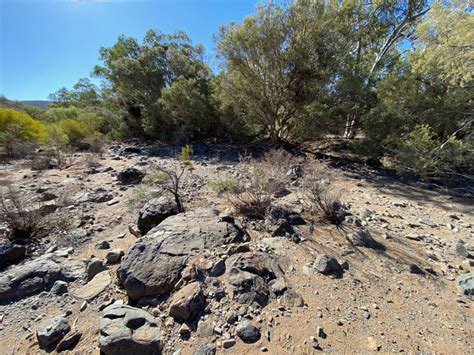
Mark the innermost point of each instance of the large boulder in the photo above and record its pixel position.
(34, 276)
(153, 265)
(130, 175)
(10, 253)
(154, 212)
(125, 330)
(51, 331)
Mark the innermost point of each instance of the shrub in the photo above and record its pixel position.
(266, 178)
(185, 155)
(50, 158)
(324, 197)
(139, 196)
(27, 220)
(19, 128)
(422, 152)
(74, 130)
(221, 186)
(168, 180)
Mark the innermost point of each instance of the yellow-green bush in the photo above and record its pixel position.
(18, 127)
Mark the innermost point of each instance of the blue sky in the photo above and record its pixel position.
(47, 44)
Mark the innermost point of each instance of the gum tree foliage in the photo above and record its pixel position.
(136, 73)
(275, 62)
(425, 113)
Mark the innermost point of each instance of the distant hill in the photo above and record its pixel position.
(36, 103)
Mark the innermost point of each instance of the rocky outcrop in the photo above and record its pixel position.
(36, 275)
(154, 212)
(153, 265)
(126, 330)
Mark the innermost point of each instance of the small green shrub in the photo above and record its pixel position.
(221, 186)
(139, 196)
(185, 154)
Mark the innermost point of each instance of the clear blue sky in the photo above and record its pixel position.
(47, 44)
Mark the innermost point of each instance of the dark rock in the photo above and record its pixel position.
(153, 265)
(127, 330)
(51, 331)
(10, 253)
(247, 332)
(415, 269)
(154, 212)
(131, 150)
(130, 175)
(217, 269)
(228, 343)
(69, 341)
(94, 266)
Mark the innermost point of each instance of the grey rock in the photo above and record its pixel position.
(205, 328)
(466, 283)
(187, 303)
(114, 256)
(459, 249)
(206, 349)
(327, 265)
(103, 245)
(101, 196)
(94, 266)
(126, 330)
(291, 299)
(247, 332)
(51, 331)
(130, 175)
(154, 212)
(94, 287)
(362, 238)
(249, 274)
(10, 253)
(59, 288)
(153, 265)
